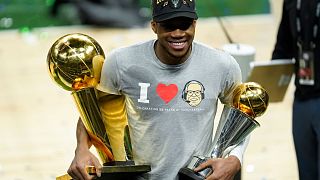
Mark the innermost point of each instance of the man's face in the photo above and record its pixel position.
(175, 37)
(194, 94)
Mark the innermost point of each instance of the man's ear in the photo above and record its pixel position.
(154, 26)
(194, 23)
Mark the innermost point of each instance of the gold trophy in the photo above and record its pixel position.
(250, 100)
(75, 62)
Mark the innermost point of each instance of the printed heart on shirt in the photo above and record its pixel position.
(167, 92)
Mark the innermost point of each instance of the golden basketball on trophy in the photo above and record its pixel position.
(70, 60)
(75, 62)
(237, 121)
(251, 98)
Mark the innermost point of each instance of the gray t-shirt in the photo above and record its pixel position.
(170, 108)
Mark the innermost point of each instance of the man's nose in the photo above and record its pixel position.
(177, 33)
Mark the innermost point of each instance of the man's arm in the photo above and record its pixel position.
(83, 157)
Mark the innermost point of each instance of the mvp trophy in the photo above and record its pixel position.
(250, 100)
(75, 62)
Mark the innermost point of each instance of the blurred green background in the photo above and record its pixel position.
(27, 14)
(209, 8)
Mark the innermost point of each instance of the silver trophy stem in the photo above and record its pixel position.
(234, 126)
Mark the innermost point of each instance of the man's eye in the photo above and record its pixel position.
(171, 26)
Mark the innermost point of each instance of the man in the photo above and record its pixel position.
(159, 79)
(298, 38)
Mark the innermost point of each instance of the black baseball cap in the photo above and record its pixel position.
(167, 9)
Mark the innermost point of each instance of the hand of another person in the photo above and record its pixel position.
(82, 159)
(223, 168)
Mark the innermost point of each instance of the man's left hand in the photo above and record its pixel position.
(223, 168)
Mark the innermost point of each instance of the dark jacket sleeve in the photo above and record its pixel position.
(284, 47)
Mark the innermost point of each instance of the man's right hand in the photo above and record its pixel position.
(82, 159)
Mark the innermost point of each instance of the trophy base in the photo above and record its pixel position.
(188, 174)
(120, 171)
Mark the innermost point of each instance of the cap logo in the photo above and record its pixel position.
(176, 4)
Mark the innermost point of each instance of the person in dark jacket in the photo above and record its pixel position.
(298, 38)
(105, 13)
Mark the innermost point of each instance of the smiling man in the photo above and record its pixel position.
(171, 87)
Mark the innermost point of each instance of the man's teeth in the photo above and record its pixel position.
(177, 43)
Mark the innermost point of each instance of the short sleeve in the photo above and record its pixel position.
(232, 80)
(110, 78)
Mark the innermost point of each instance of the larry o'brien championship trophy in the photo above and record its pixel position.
(250, 100)
(75, 62)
